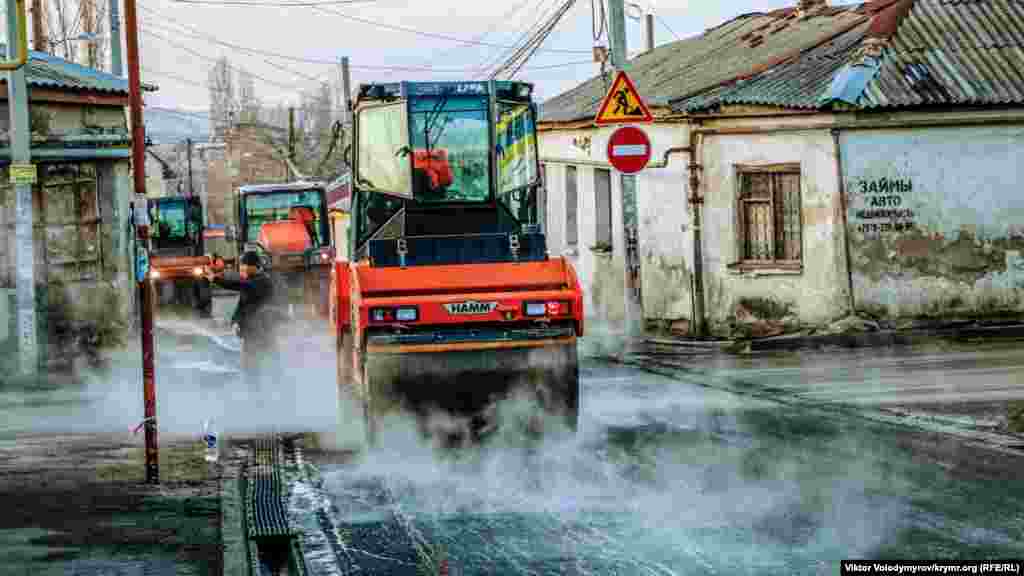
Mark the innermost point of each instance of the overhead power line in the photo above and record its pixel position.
(272, 3)
(522, 35)
(523, 55)
(213, 40)
(432, 34)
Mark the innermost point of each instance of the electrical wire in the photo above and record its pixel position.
(596, 21)
(207, 38)
(667, 27)
(213, 40)
(535, 43)
(272, 3)
(543, 11)
(431, 34)
(541, 41)
(490, 30)
(522, 43)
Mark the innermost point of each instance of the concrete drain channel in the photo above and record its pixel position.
(272, 546)
(289, 523)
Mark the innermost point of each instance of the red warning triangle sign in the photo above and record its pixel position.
(622, 104)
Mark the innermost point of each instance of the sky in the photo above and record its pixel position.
(179, 41)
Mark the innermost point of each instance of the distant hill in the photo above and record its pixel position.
(166, 126)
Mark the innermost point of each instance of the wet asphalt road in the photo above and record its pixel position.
(669, 477)
(665, 477)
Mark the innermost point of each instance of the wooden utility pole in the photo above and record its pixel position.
(39, 41)
(145, 287)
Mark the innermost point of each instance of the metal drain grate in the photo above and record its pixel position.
(266, 512)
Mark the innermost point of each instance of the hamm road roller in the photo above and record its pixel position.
(449, 302)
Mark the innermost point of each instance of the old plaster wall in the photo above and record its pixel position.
(936, 219)
(811, 296)
(51, 119)
(664, 236)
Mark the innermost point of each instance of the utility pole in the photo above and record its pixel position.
(617, 33)
(291, 139)
(89, 27)
(145, 287)
(21, 164)
(39, 40)
(346, 90)
(191, 190)
(649, 31)
(115, 39)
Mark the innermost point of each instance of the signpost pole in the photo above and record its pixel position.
(23, 176)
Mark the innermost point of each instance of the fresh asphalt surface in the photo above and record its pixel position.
(665, 477)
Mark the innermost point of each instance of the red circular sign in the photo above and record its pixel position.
(629, 149)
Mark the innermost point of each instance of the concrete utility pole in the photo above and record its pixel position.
(21, 165)
(115, 39)
(39, 41)
(649, 31)
(145, 287)
(346, 90)
(191, 190)
(291, 139)
(617, 33)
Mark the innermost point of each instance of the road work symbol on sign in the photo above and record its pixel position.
(622, 104)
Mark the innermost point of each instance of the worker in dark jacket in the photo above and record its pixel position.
(257, 318)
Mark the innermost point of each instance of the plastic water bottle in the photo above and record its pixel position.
(210, 437)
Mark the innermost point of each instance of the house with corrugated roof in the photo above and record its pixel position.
(83, 244)
(822, 161)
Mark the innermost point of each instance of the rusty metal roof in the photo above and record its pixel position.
(795, 84)
(740, 47)
(949, 52)
(953, 52)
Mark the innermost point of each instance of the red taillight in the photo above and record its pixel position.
(558, 308)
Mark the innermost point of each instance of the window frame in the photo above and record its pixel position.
(741, 263)
(604, 222)
(574, 230)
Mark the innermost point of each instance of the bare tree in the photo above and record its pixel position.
(248, 103)
(223, 106)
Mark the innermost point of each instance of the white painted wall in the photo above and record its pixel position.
(958, 248)
(819, 292)
(664, 234)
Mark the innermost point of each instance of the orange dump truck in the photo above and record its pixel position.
(287, 223)
(449, 302)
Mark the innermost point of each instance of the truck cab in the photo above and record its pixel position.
(287, 223)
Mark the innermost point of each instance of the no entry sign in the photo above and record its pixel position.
(629, 149)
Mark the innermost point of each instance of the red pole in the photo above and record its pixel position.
(145, 289)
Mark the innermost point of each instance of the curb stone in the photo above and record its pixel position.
(232, 535)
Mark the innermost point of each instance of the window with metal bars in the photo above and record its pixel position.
(769, 216)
